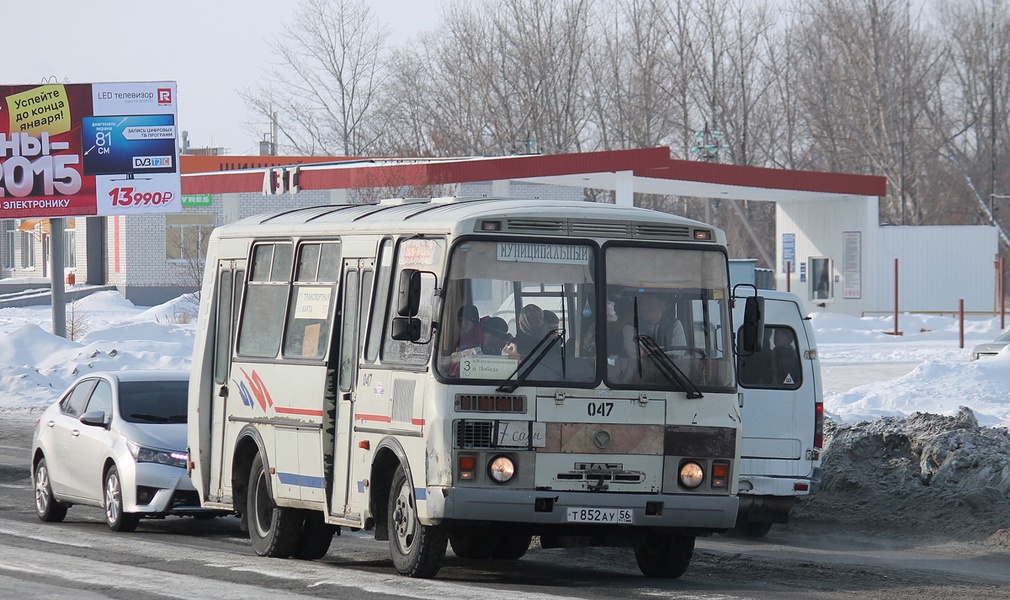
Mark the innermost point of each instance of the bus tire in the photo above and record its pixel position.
(273, 531)
(417, 550)
(512, 546)
(473, 542)
(316, 537)
(663, 554)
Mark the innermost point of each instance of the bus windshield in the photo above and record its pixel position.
(668, 301)
(535, 311)
(506, 298)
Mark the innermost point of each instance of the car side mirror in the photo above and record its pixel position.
(94, 418)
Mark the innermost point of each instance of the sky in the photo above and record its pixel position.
(211, 49)
(867, 373)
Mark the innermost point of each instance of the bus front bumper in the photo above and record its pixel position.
(553, 508)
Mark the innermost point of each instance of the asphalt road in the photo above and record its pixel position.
(187, 558)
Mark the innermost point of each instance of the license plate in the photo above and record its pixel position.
(622, 516)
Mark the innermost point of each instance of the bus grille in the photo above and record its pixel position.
(591, 228)
(490, 403)
(534, 226)
(472, 434)
(662, 231)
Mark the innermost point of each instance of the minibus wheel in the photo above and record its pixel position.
(273, 531)
(663, 554)
(417, 550)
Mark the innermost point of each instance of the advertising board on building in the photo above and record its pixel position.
(89, 149)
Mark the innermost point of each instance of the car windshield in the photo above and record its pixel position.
(153, 401)
(1005, 337)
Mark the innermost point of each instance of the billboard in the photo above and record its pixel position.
(89, 149)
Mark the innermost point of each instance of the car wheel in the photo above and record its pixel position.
(47, 507)
(663, 555)
(115, 517)
(417, 550)
(273, 531)
(751, 529)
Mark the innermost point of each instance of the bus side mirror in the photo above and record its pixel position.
(752, 332)
(409, 300)
(406, 329)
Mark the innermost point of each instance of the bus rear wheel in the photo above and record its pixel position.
(663, 554)
(273, 531)
(417, 550)
(314, 542)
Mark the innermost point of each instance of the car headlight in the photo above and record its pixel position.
(501, 469)
(691, 475)
(143, 454)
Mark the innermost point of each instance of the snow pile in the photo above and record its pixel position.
(925, 472)
(36, 366)
(939, 386)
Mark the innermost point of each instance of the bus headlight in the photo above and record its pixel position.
(691, 475)
(501, 469)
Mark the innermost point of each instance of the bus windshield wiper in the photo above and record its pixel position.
(533, 358)
(666, 366)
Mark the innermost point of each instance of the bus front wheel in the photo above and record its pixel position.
(273, 531)
(663, 554)
(417, 550)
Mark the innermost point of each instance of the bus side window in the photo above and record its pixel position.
(349, 332)
(380, 299)
(266, 296)
(311, 306)
(420, 254)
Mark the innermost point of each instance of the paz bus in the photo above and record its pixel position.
(385, 367)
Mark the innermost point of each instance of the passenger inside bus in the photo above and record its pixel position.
(655, 322)
(551, 320)
(497, 339)
(531, 328)
(470, 336)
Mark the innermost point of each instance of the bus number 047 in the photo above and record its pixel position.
(600, 409)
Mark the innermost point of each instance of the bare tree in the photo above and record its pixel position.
(321, 96)
(637, 87)
(507, 72)
(978, 107)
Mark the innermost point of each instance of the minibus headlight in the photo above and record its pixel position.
(691, 475)
(501, 469)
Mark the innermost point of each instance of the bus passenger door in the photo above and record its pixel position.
(355, 286)
(230, 284)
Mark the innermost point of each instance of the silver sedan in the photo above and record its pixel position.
(117, 441)
(991, 348)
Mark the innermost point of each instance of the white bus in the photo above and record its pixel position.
(385, 367)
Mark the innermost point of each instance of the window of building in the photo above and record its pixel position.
(70, 248)
(10, 235)
(187, 235)
(27, 250)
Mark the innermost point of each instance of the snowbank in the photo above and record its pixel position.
(925, 472)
